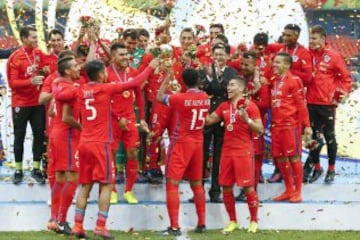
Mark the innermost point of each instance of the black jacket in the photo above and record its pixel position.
(216, 88)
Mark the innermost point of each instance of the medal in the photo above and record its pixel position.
(126, 94)
(230, 127)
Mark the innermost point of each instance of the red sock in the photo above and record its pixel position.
(114, 188)
(253, 205)
(199, 200)
(229, 202)
(173, 204)
(285, 169)
(298, 174)
(51, 179)
(131, 173)
(101, 220)
(79, 215)
(56, 192)
(67, 196)
(331, 167)
(317, 166)
(258, 165)
(154, 151)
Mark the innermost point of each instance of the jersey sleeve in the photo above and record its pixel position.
(219, 110)
(253, 111)
(171, 100)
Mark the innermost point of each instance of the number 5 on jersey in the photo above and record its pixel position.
(90, 108)
(198, 115)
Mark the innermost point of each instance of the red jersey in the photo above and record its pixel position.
(51, 61)
(301, 62)
(331, 76)
(22, 65)
(99, 51)
(287, 103)
(123, 103)
(153, 85)
(190, 110)
(238, 138)
(145, 60)
(46, 87)
(59, 129)
(95, 109)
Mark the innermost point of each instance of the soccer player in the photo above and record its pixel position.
(204, 51)
(64, 141)
(95, 156)
(124, 119)
(288, 112)
(185, 151)
(25, 82)
(301, 66)
(260, 95)
(241, 117)
(57, 45)
(331, 82)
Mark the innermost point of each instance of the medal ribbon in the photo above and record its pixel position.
(32, 64)
(118, 76)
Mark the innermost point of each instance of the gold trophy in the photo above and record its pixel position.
(166, 63)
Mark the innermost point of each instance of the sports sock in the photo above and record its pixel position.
(173, 204)
(199, 200)
(258, 165)
(79, 215)
(229, 202)
(331, 167)
(285, 169)
(67, 196)
(317, 166)
(18, 165)
(56, 192)
(36, 164)
(131, 174)
(101, 220)
(253, 205)
(298, 174)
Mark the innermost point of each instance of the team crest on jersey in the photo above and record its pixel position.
(327, 58)
(37, 58)
(136, 61)
(295, 58)
(126, 94)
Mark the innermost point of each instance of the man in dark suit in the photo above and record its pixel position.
(214, 82)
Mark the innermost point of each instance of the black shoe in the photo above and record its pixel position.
(155, 176)
(330, 176)
(171, 232)
(44, 166)
(215, 199)
(275, 178)
(261, 179)
(64, 228)
(37, 176)
(241, 197)
(191, 200)
(308, 170)
(200, 229)
(316, 175)
(18, 177)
